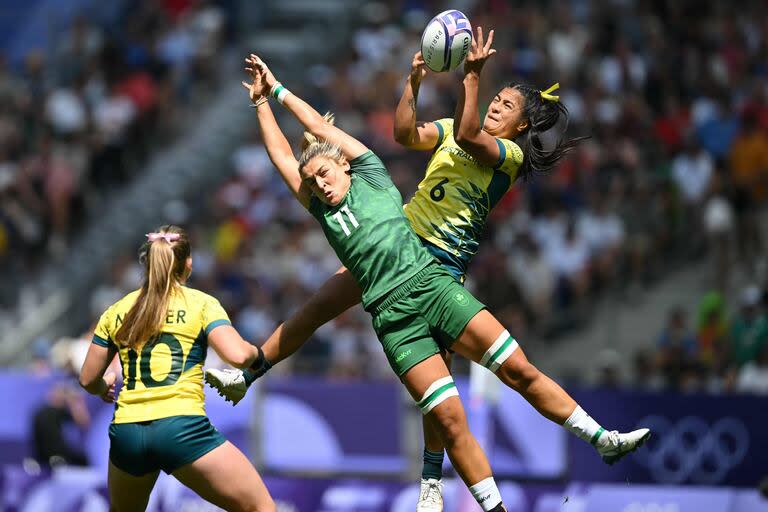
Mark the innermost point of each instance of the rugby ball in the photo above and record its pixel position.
(446, 40)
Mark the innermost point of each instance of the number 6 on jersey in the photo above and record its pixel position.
(340, 219)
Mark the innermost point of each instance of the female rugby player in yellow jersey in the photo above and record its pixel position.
(161, 333)
(482, 168)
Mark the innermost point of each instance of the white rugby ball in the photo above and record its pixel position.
(446, 40)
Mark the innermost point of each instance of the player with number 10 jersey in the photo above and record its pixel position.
(161, 333)
(164, 378)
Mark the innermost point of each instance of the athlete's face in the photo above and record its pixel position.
(505, 114)
(328, 179)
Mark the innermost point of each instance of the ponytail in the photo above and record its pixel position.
(312, 147)
(164, 256)
(543, 112)
(308, 139)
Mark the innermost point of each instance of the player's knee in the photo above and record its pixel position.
(519, 374)
(450, 423)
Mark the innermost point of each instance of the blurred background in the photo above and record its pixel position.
(635, 273)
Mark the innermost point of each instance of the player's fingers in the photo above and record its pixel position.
(492, 51)
(480, 43)
(490, 41)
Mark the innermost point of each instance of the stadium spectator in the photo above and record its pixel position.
(677, 348)
(52, 427)
(753, 377)
(749, 330)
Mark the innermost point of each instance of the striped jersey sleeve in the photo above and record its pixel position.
(444, 129)
(510, 157)
(213, 315)
(102, 336)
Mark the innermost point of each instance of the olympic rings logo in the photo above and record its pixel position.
(692, 449)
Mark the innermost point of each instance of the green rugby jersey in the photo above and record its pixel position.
(369, 231)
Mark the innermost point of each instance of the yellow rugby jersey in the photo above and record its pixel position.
(452, 203)
(165, 377)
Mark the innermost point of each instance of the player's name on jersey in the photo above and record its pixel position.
(459, 152)
(173, 316)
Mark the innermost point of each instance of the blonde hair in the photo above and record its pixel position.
(164, 257)
(309, 139)
(312, 147)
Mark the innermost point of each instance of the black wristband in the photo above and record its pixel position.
(260, 365)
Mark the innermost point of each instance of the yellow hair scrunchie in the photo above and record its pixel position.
(549, 97)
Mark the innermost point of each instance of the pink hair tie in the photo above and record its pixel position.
(169, 237)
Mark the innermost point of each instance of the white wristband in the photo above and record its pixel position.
(279, 92)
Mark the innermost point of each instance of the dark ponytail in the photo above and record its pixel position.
(543, 115)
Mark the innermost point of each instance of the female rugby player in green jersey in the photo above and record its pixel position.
(468, 173)
(410, 299)
(161, 332)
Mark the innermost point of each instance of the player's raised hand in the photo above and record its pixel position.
(256, 88)
(109, 394)
(418, 67)
(255, 65)
(479, 52)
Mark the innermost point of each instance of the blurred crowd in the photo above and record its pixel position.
(675, 99)
(723, 349)
(79, 119)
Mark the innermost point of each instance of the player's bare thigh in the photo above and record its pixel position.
(128, 493)
(226, 478)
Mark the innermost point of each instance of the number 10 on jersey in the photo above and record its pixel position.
(340, 219)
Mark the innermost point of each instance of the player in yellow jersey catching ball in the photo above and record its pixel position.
(161, 333)
(471, 168)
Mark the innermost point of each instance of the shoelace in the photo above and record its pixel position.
(428, 495)
(614, 440)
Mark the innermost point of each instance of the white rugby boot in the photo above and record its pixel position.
(431, 496)
(229, 383)
(613, 446)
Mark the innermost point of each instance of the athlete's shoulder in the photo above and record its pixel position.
(196, 296)
(371, 169)
(444, 129)
(112, 317)
(510, 156)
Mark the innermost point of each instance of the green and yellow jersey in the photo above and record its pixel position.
(164, 377)
(450, 208)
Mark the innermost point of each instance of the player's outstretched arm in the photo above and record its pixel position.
(309, 117)
(468, 132)
(278, 147)
(408, 131)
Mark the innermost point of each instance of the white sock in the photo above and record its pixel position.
(486, 493)
(582, 424)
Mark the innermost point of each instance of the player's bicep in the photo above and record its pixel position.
(485, 148)
(426, 137)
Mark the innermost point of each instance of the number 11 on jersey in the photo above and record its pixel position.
(340, 219)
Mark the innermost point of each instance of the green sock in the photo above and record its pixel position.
(433, 465)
